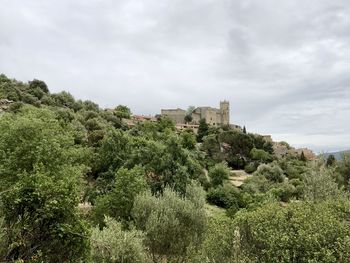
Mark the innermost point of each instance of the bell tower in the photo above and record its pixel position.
(225, 112)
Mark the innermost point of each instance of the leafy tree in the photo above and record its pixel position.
(343, 168)
(9, 89)
(302, 157)
(221, 242)
(171, 223)
(211, 146)
(118, 204)
(89, 106)
(35, 83)
(219, 173)
(330, 160)
(225, 196)
(64, 99)
(122, 112)
(240, 145)
(188, 140)
(244, 130)
(112, 244)
(271, 172)
(260, 155)
(188, 118)
(320, 185)
(299, 232)
(165, 124)
(202, 130)
(41, 170)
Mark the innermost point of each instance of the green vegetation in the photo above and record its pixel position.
(79, 184)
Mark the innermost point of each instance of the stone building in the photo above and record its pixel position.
(211, 115)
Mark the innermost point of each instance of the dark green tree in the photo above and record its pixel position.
(122, 112)
(40, 171)
(219, 173)
(202, 130)
(330, 160)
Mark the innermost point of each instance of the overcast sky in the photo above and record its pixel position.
(283, 65)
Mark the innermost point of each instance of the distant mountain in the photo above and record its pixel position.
(337, 155)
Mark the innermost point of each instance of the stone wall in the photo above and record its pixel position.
(177, 115)
(211, 115)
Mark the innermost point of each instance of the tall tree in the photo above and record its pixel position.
(202, 130)
(40, 178)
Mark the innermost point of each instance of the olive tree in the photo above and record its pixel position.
(171, 223)
(113, 244)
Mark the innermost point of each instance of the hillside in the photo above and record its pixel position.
(84, 184)
(337, 155)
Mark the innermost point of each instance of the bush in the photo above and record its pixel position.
(271, 172)
(251, 167)
(112, 244)
(118, 204)
(260, 155)
(300, 232)
(225, 196)
(219, 173)
(171, 223)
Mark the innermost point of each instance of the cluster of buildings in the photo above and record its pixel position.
(212, 116)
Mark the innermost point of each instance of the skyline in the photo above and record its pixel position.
(282, 65)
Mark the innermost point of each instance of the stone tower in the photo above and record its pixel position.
(225, 112)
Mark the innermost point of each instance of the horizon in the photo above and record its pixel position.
(287, 79)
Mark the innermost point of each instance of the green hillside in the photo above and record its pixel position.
(79, 183)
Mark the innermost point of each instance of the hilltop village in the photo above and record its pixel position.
(214, 117)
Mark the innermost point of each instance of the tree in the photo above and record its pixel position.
(188, 118)
(219, 173)
(202, 130)
(40, 178)
(302, 157)
(320, 185)
(188, 140)
(244, 130)
(35, 83)
(239, 147)
(112, 244)
(299, 232)
(221, 242)
(330, 160)
(260, 155)
(118, 204)
(271, 172)
(171, 223)
(343, 168)
(122, 112)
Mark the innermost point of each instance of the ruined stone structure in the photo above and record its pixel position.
(4, 105)
(212, 116)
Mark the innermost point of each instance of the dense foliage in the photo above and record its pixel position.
(83, 184)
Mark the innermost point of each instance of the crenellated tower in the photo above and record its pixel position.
(225, 112)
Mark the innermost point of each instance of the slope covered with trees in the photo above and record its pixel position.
(77, 184)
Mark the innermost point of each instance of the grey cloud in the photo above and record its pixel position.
(282, 64)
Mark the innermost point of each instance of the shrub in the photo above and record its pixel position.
(112, 244)
(271, 172)
(219, 173)
(171, 223)
(300, 232)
